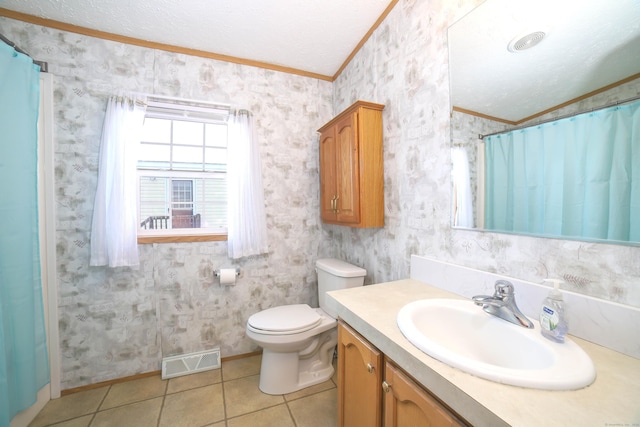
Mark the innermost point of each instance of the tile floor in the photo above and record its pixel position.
(226, 397)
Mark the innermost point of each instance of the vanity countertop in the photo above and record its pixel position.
(612, 400)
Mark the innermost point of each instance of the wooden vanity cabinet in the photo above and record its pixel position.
(351, 167)
(408, 404)
(359, 379)
(370, 396)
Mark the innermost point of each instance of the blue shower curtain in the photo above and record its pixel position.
(24, 367)
(575, 177)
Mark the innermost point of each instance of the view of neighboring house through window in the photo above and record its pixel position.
(182, 169)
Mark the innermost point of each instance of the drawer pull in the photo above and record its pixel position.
(386, 387)
(370, 368)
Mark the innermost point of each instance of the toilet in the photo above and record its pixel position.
(298, 341)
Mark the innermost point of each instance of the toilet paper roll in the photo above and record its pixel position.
(227, 276)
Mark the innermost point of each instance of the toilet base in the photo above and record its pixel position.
(282, 373)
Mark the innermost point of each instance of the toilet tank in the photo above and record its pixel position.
(334, 274)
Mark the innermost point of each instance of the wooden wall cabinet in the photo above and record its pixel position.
(351, 167)
(369, 396)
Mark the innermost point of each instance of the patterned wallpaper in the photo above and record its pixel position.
(404, 66)
(120, 322)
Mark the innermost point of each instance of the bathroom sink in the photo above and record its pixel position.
(462, 335)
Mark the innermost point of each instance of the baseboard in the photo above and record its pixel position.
(108, 382)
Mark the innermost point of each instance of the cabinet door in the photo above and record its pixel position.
(407, 405)
(348, 170)
(359, 379)
(328, 190)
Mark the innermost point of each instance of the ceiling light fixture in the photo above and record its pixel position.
(525, 42)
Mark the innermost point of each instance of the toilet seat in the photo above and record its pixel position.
(285, 319)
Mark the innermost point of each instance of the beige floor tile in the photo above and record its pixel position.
(70, 406)
(188, 382)
(319, 410)
(76, 422)
(243, 396)
(327, 385)
(197, 407)
(275, 416)
(134, 391)
(195, 400)
(239, 368)
(140, 414)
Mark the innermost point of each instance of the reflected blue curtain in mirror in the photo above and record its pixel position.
(575, 177)
(24, 367)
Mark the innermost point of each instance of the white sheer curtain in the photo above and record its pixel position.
(247, 229)
(114, 227)
(462, 197)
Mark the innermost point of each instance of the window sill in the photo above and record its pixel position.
(143, 240)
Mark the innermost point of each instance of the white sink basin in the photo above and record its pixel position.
(461, 334)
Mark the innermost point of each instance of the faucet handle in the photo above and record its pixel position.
(503, 289)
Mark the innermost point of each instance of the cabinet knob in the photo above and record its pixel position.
(370, 368)
(386, 387)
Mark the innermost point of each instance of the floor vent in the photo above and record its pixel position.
(185, 364)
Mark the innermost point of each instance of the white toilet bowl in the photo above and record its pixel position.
(298, 341)
(298, 344)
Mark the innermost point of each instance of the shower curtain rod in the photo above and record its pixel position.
(44, 67)
(612, 104)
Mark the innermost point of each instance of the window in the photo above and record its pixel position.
(182, 166)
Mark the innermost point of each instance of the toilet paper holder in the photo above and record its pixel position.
(216, 273)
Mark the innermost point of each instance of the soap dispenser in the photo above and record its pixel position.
(552, 321)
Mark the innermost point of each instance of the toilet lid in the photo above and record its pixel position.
(286, 318)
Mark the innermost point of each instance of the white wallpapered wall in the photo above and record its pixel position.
(120, 322)
(404, 66)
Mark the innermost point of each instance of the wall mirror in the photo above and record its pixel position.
(515, 63)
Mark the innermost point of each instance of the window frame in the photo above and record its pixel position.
(181, 110)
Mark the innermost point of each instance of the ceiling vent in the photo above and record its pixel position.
(525, 42)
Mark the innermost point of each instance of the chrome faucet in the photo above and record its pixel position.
(503, 304)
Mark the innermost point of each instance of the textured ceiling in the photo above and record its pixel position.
(589, 44)
(307, 35)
